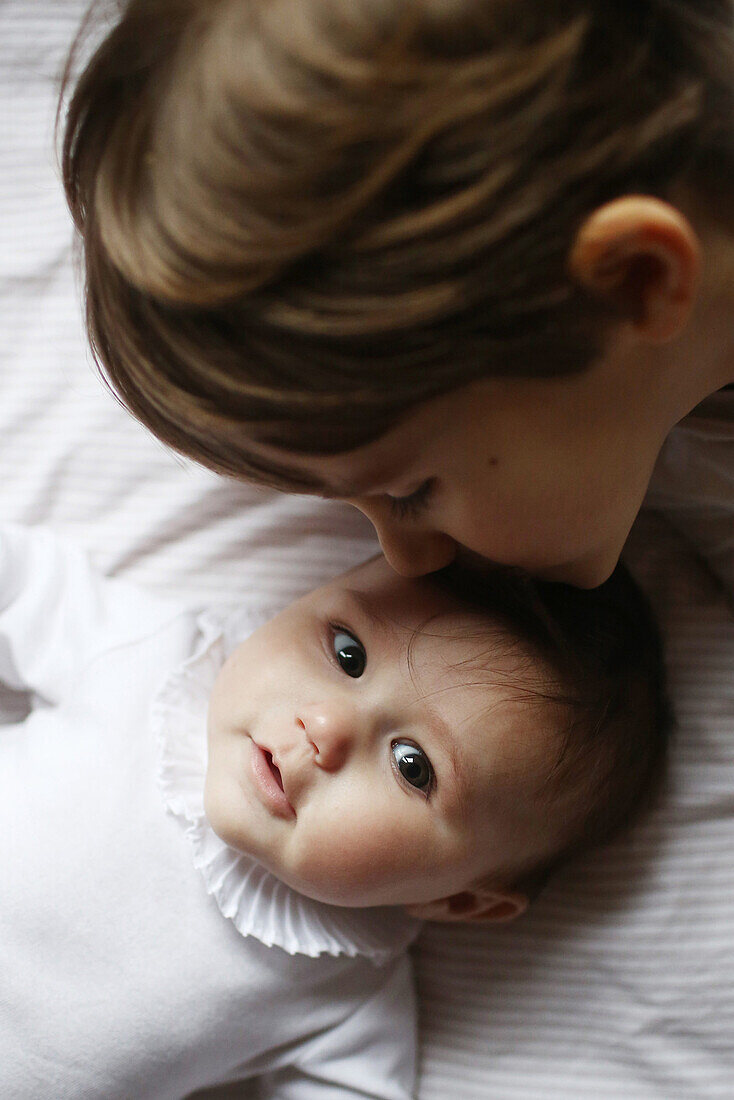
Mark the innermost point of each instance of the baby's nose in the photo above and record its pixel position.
(330, 730)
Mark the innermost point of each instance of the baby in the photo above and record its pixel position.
(382, 750)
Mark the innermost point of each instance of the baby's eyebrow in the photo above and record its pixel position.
(367, 609)
(462, 767)
(458, 798)
(443, 734)
(448, 740)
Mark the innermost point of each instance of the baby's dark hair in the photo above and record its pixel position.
(602, 666)
(301, 218)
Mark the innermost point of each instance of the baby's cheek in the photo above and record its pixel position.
(222, 806)
(360, 861)
(215, 806)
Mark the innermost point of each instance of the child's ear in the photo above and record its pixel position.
(643, 257)
(473, 907)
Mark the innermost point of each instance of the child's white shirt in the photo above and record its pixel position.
(121, 975)
(693, 482)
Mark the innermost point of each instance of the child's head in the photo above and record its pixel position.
(393, 741)
(304, 220)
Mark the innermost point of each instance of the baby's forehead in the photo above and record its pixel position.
(410, 603)
(423, 615)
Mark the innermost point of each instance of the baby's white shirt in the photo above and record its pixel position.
(120, 975)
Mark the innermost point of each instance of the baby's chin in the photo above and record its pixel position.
(343, 892)
(344, 895)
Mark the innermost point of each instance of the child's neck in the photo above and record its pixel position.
(701, 360)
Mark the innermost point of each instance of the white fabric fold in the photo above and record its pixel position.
(258, 903)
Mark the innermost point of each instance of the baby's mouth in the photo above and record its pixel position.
(269, 782)
(274, 768)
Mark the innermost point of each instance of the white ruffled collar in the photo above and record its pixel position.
(259, 904)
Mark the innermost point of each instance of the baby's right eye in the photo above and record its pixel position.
(350, 653)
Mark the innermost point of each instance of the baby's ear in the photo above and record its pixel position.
(491, 905)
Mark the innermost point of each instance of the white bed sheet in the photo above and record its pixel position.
(620, 981)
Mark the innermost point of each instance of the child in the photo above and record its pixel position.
(381, 745)
(463, 264)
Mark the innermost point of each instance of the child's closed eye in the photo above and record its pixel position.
(412, 505)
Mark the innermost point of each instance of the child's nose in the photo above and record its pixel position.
(330, 729)
(411, 553)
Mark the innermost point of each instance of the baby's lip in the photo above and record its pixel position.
(270, 781)
(275, 769)
(288, 780)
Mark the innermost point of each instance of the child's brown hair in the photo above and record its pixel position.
(301, 218)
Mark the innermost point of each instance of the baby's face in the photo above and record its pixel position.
(357, 752)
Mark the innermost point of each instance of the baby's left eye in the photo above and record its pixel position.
(350, 653)
(413, 764)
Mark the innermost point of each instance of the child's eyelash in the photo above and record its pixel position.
(410, 507)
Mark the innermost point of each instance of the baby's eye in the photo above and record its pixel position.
(350, 653)
(413, 765)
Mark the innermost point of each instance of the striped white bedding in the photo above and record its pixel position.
(620, 981)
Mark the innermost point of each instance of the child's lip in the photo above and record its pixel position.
(270, 790)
